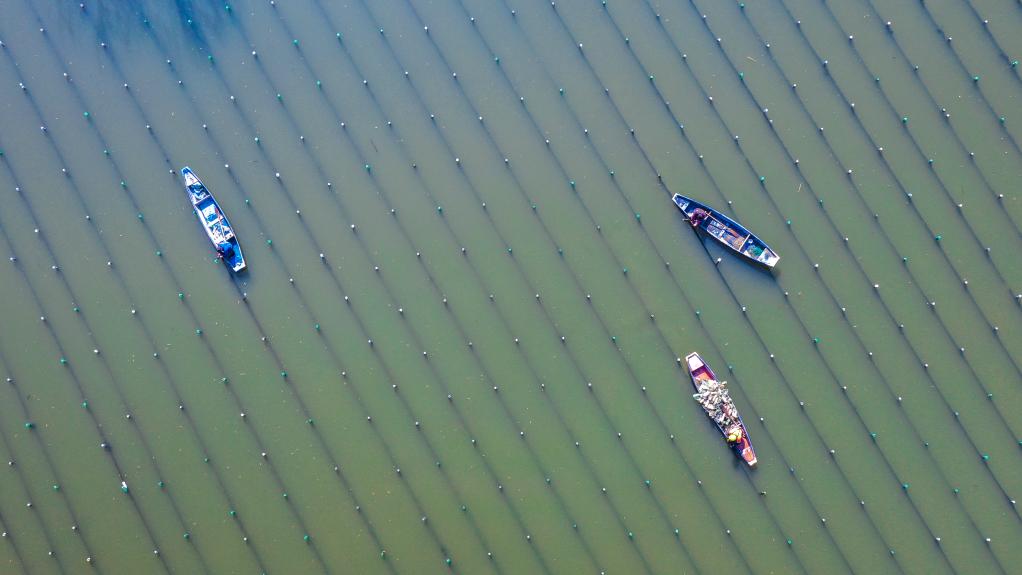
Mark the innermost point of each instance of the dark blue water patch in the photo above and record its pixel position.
(197, 21)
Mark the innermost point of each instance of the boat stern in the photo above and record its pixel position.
(769, 258)
(694, 362)
(749, 456)
(189, 176)
(684, 204)
(743, 448)
(697, 368)
(235, 259)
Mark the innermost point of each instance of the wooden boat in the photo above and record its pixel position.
(213, 220)
(713, 397)
(726, 231)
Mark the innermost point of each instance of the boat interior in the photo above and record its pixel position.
(727, 231)
(700, 371)
(734, 237)
(198, 191)
(697, 368)
(218, 227)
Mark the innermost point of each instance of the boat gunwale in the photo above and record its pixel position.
(207, 195)
(729, 224)
(705, 367)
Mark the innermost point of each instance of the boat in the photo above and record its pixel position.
(713, 397)
(213, 220)
(726, 231)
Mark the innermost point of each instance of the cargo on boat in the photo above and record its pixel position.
(726, 231)
(715, 400)
(213, 220)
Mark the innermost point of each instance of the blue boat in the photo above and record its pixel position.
(213, 220)
(726, 231)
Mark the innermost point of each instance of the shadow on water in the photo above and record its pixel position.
(123, 21)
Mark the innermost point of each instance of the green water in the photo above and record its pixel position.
(455, 348)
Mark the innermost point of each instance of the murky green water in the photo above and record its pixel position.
(455, 348)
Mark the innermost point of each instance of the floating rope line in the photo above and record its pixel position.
(123, 484)
(116, 463)
(957, 139)
(705, 24)
(926, 11)
(890, 314)
(569, 183)
(339, 286)
(236, 183)
(680, 286)
(949, 264)
(207, 461)
(865, 273)
(24, 491)
(462, 251)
